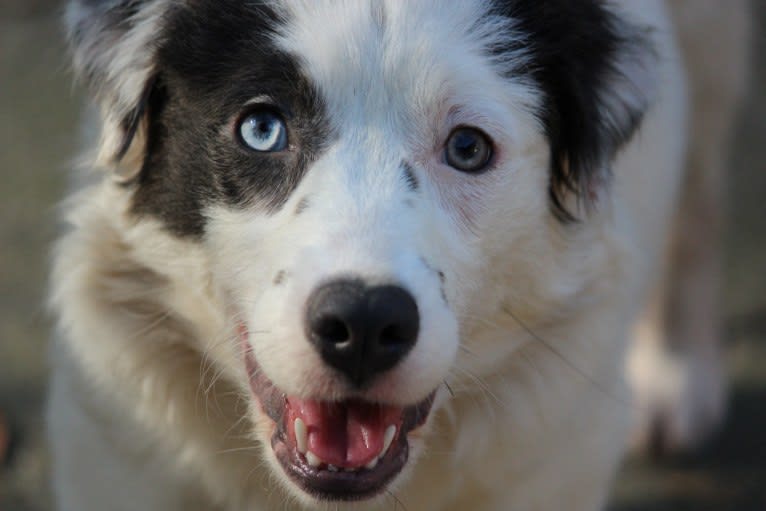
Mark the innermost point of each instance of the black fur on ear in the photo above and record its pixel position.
(114, 44)
(132, 123)
(596, 72)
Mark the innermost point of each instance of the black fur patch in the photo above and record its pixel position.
(410, 177)
(214, 57)
(575, 46)
(302, 206)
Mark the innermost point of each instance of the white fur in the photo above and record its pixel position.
(150, 407)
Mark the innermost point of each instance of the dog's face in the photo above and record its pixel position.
(372, 182)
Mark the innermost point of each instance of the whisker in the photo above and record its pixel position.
(238, 449)
(607, 392)
(397, 501)
(449, 389)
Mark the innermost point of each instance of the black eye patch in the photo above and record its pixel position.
(215, 58)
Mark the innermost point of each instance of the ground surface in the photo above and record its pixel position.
(38, 112)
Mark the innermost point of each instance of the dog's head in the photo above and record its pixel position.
(371, 182)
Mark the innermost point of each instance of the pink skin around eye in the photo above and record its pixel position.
(460, 193)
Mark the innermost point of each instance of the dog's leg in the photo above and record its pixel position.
(675, 365)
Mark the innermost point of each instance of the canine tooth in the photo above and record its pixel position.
(332, 468)
(313, 459)
(301, 435)
(388, 437)
(372, 464)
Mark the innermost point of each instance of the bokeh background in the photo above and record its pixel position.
(39, 134)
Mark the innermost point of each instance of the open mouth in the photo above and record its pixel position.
(337, 450)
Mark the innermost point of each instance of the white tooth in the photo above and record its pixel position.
(372, 464)
(332, 468)
(388, 437)
(301, 435)
(349, 469)
(313, 459)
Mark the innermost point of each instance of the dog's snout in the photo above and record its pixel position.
(361, 330)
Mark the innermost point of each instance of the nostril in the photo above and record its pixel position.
(392, 336)
(332, 329)
(395, 311)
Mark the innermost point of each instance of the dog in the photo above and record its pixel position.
(370, 254)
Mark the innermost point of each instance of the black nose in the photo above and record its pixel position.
(361, 331)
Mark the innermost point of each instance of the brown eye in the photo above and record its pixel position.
(468, 150)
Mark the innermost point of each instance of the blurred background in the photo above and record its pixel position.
(39, 133)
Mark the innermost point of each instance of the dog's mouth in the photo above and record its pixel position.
(337, 450)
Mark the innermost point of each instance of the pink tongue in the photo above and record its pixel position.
(347, 434)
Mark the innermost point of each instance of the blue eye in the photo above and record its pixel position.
(263, 131)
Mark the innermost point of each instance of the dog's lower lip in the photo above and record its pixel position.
(326, 484)
(323, 481)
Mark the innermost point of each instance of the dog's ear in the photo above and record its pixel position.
(113, 44)
(597, 74)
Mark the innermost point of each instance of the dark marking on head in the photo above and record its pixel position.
(379, 15)
(409, 202)
(409, 176)
(440, 275)
(210, 59)
(578, 50)
(279, 278)
(302, 206)
(442, 282)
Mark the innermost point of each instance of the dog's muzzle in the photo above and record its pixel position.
(348, 449)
